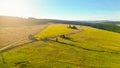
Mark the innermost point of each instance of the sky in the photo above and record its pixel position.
(62, 9)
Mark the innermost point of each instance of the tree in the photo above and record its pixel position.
(74, 27)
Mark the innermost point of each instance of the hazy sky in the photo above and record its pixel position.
(62, 9)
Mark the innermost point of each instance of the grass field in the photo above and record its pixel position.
(91, 48)
(9, 35)
(53, 30)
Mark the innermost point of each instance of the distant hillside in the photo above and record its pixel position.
(106, 25)
(12, 21)
(16, 21)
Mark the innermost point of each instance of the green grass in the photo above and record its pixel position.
(92, 48)
(53, 30)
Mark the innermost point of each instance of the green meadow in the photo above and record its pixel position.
(90, 48)
(53, 30)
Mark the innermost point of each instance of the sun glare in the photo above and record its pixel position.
(15, 8)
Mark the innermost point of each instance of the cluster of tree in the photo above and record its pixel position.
(72, 26)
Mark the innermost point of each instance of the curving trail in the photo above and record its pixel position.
(79, 29)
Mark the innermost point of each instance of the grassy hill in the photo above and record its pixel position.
(53, 30)
(91, 48)
(10, 35)
(14, 29)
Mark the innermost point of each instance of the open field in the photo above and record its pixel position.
(91, 48)
(11, 34)
(53, 30)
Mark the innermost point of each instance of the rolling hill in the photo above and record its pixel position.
(90, 48)
(53, 30)
(14, 29)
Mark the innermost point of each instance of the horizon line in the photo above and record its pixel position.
(60, 19)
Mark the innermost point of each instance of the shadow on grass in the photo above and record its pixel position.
(66, 43)
(73, 45)
(70, 39)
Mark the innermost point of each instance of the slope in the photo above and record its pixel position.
(91, 48)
